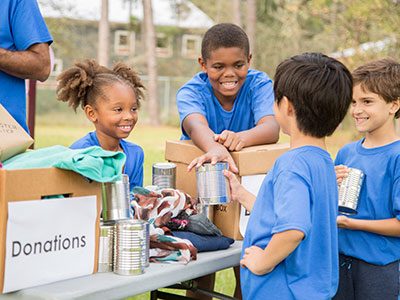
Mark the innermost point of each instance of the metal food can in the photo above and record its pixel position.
(349, 191)
(115, 199)
(212, 186)
(131, 247)
(106, 245)
(164, 175)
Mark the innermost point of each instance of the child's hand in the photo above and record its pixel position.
(231, 140)
(216, 154)
(341, 173)
(343, 221)
(238, 192)
(253, 259)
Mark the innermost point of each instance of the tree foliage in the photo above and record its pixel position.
(288, 27)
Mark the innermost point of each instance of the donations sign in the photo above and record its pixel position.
(49, 240)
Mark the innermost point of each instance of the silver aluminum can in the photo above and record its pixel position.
(349, 191)
(212, 185)
(131, 251)
(115, 199)
(164, 175)
(106, 246)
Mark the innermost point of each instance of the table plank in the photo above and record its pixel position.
(113, 286)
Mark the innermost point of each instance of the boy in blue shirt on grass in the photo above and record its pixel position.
(227, 106)
(369, 242)
(290, 245)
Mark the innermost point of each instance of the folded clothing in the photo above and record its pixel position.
(94, 162)
(200, 224)
(205, 243)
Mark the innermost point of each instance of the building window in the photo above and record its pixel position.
(124, 42)
(163, 45)
(191, 46)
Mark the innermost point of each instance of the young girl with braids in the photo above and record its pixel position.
(110, 99)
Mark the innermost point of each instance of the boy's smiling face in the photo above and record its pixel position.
(227, 70)
(371, 113)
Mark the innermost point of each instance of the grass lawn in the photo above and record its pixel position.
(60, 130)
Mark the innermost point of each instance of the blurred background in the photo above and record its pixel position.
(161, 39)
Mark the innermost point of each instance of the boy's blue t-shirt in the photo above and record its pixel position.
(254, 101)
(379, 199)
(21, 26)
(298, 193)
(134, 157)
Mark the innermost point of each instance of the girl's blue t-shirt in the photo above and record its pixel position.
(254, 101)
(298, 193)
(134, 157)
(379, 199)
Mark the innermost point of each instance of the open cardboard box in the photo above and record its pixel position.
(255, 160)
(34, 184)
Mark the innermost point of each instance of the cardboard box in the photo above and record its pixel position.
(250, 161)
(35, 184)
(13, 137)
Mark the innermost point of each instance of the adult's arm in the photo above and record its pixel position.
(33, 63)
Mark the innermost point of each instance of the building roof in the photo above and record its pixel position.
(364, 47)
(176, 13)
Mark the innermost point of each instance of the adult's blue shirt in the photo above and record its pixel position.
(134, 157)
(379, 199)
(21, 26)
(298, 193)
(255, 100)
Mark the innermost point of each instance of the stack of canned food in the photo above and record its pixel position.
(131, 243)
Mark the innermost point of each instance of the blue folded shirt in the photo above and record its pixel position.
(205, 243)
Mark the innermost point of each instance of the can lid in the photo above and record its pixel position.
(164, 165)
(164, 168)
(209, 167)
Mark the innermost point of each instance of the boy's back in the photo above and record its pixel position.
(299, 193)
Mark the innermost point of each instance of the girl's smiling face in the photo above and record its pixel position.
(115, 114)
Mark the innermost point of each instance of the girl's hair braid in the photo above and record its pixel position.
(83, 83)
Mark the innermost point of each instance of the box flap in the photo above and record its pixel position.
(258, 159)
(251, 160)
(181, 151)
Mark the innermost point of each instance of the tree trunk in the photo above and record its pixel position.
(237, 16)
(251, 25)
(150, 42)
(104, 35)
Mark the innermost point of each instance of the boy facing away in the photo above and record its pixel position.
(369, 242)
(290, 245)
(227, 106)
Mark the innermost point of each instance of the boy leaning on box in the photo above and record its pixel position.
(369, 242)
(290, 245)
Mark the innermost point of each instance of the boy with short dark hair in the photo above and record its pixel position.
(369, 242)
(290, 245)
(227, 106)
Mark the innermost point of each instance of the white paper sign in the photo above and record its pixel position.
(49, 240)
(252, 183)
